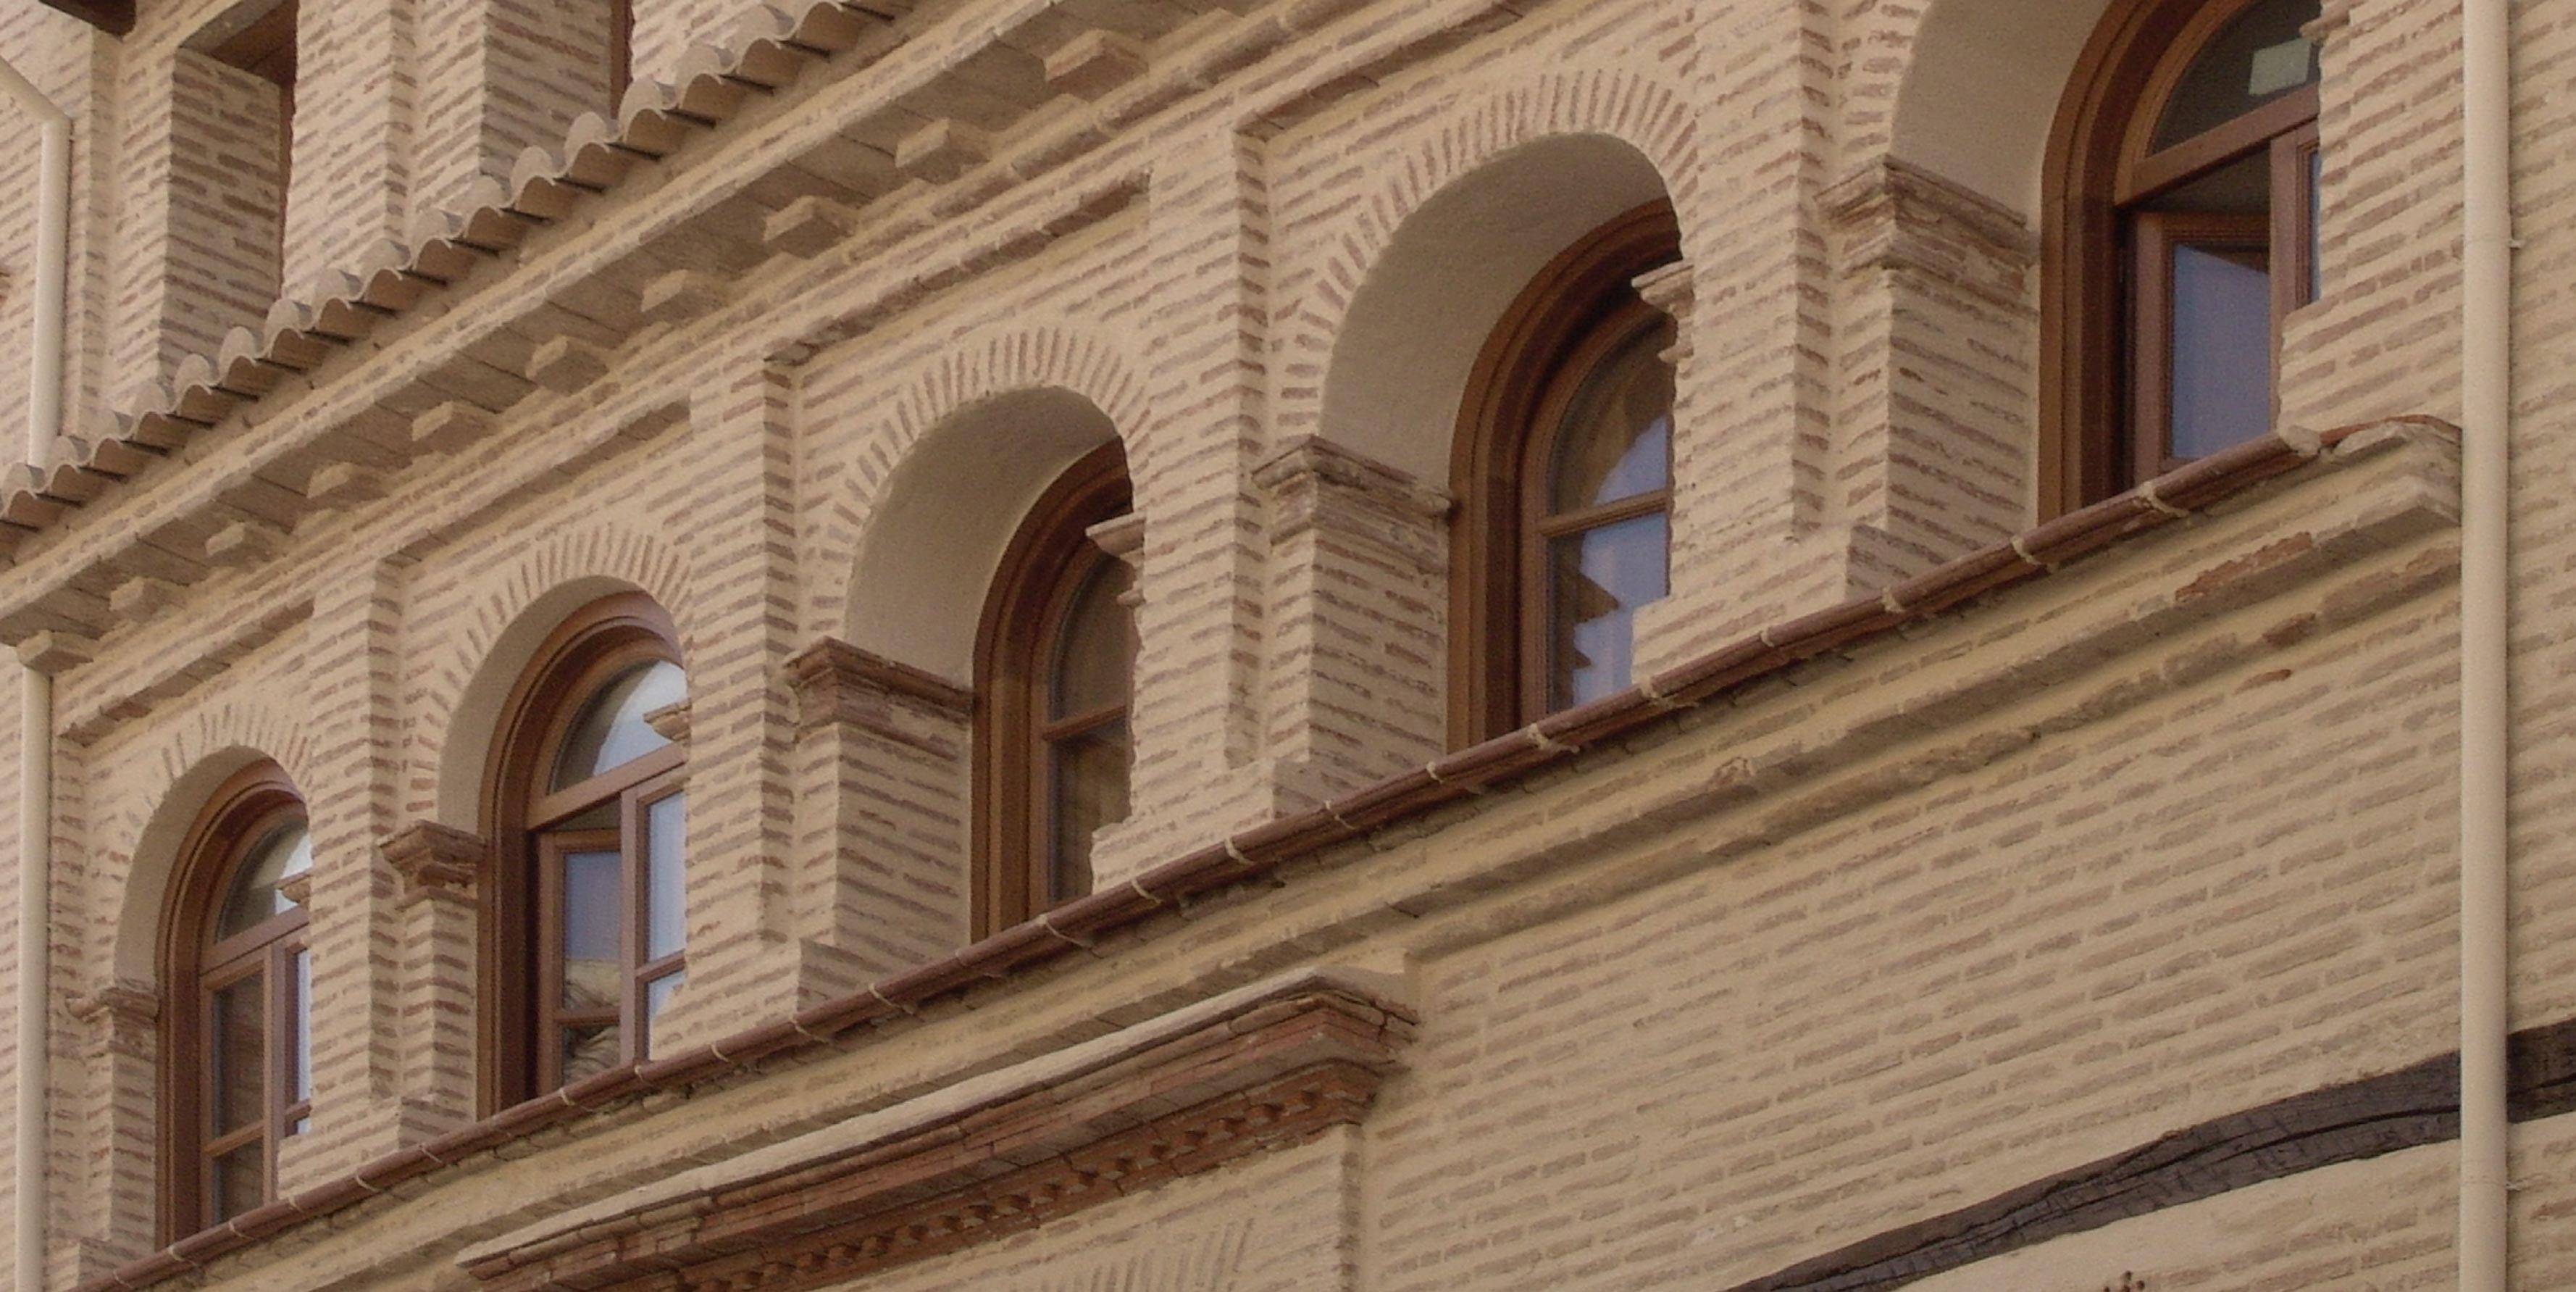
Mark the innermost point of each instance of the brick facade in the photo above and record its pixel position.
(1943, 851)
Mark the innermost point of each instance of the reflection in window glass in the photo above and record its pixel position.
(588, 1050)
(299, 1024)
(254, 897)
(1596, 581)
(593, 902)
(1096, 653)
(238, 1029)
(611, 730)
(2258, 57)
(2222, 348)
(240, 1181)
(666, 907)
(1619, 438)
(1088, 791)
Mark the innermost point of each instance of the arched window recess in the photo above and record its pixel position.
(1055, 673)
(1564, 472)
(589, 927)
(2182, 205)
(237, 1075)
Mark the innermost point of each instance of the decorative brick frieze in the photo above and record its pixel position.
(1151, 1103)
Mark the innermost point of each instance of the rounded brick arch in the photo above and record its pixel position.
(1421, 272)
(480, 652)
(138, 852)
(1057, 370)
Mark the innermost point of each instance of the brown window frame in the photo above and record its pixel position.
(522, 931)
(1048, 561)
(240, 814)
(2095, 307)
(1581, 308)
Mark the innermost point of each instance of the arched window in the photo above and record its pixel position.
(590, 919)
(2182, 205)
(239, 1045)
(1564, 472)
(1055, 667)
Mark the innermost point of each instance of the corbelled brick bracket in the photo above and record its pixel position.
(1269, 1066)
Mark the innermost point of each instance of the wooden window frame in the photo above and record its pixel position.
(1048, 561)
(521, 929)
(240, 814)
(1583, 302)
(2100, 164)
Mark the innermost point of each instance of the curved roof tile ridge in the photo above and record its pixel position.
(765, 50)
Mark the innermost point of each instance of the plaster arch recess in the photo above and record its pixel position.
(1410, 340)
(937, 533)
(1982, 90)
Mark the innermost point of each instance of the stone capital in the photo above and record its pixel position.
(435, 860)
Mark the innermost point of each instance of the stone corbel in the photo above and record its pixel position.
(1895, 216)
(670, 722)
(836, 682)
(436, 862)
(124, 1016)
(1123, 537)
(1313, 476)
(1671, 289)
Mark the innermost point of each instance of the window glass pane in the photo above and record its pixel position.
(594, 904)
(657, 994)
(1616, 441)
(237, 1047)
(588, 1051)
(1087, 789)
(1096, 646)
(2222, 348)
(240, 1182)
(253, 897)
(666, 906)
(299, 1025)
(610, 730)
(2256, 58)
(1596, 581)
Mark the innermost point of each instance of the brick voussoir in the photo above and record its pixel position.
(1493, 764)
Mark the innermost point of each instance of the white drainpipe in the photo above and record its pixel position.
(2486, 421)
(36, 693)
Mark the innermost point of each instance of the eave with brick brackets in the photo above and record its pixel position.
(553, 305)
(2416, 456)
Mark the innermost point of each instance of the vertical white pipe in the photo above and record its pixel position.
(2486, 419)
(36, 695)
(53, 230)
(35, 1039)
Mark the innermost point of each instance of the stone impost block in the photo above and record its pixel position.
(943, 150)
(435, 860)
(808, 227)
(1093, 64)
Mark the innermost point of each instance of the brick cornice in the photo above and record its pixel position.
(835, 681)
(1154, 1102)
(434, 860)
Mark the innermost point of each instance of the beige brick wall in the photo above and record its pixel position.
(2022, 889)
